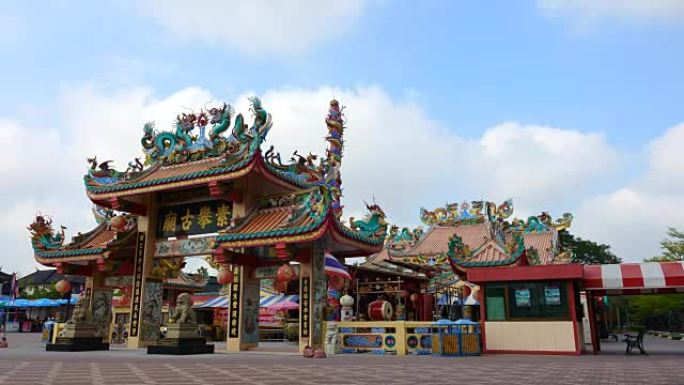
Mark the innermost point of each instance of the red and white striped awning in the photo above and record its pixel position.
(635, 278)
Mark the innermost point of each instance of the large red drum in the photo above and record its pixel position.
(380, 310)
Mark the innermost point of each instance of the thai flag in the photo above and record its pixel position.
(334, 268)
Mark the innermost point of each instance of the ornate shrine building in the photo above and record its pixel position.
(472, 235)
(514, 270)
(207, 189)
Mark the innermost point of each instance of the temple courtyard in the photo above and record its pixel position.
(26, 362)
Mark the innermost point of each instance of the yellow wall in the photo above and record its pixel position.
(545, 336)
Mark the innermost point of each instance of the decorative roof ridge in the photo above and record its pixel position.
(458, 253)
(180, 147)
(189, 280)
(244, 163)
(275, 209)
(178, 165)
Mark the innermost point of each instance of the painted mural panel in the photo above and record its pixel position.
(320, 295)
(151, 311)
(102, 312)
(250, 312)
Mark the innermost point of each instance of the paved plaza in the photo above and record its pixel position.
(26, 362)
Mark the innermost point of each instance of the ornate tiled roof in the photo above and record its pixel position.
(304, 217)
(484, 233)
(186, 157)
(49, 246)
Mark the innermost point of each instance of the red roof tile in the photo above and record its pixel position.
(181, 169)
(489, 252)
(437, 238)
(543, 243)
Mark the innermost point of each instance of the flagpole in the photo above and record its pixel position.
(12, 298)
(4, 321)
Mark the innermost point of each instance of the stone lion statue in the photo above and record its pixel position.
(183, 312)
(82, 313)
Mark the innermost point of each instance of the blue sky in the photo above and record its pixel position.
(607, 71)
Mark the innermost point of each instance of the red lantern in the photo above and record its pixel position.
(336, 283)
(225, 276)
(63, 286)
(280, 286)
(286, 273)
(118, 223)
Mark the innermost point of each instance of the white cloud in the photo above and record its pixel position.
(538, 165)
(587, 13)
(666, 160)
(393, 151)
(633, 219)
(45, 166)
(258, 26)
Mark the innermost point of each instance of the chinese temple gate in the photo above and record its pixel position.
(207, 189)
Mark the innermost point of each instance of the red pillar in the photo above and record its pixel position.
(573, 317)
(592, 324)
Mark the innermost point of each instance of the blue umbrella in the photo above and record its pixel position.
(19, 302)
(43, 302)
(72, 301)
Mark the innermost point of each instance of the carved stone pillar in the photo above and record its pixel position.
(243, 311)
(146, 302)
(313, 294)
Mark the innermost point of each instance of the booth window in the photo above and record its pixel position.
(537, 300)
(526, 300)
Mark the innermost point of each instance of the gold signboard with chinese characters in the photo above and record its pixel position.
(234, 309)
(194, 218)
(304, 308)
(137, 283)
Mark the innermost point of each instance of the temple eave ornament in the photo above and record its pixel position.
(466, 213)
(184, 144)
(373, 224)
(400, 240)
(43, 236)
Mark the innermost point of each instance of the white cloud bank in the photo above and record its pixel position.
(393, 152)
(589, 12)
(634, 218)
(257, 26)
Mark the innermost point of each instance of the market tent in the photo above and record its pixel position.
(275, 299)
(284, 305)
(267, 300)
(41, 302)
(221, 302)
(634, 278)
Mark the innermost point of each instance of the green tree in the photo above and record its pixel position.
(42, 293)
(661, 311)
(586, 252)
(673, 247)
